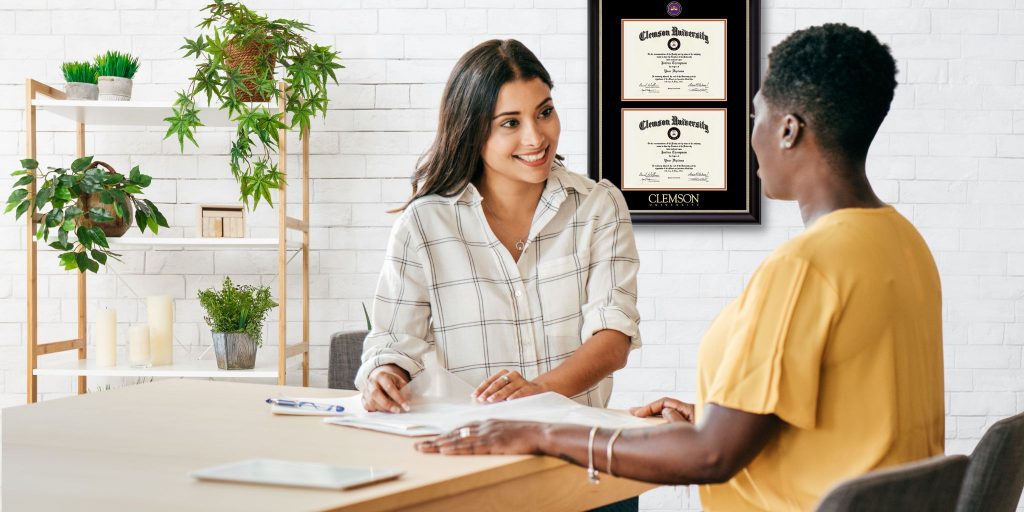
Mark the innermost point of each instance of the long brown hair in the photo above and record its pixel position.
(467, 105)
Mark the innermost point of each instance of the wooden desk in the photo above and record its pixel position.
(132, 449)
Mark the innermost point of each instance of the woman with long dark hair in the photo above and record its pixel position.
(829, 364)
(519, 274)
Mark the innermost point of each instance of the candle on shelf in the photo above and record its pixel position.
(138, 345)
(105, 333)
(160, 311)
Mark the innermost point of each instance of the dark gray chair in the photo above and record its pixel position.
(995, 475)
(930, 485)
(345, 356)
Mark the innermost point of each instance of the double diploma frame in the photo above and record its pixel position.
(671, 84)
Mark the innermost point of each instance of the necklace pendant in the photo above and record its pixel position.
(520, 245)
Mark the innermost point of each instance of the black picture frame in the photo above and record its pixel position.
(737, 198)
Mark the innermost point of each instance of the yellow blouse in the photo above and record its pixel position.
(839, 334)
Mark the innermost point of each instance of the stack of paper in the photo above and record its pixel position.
(441, 402)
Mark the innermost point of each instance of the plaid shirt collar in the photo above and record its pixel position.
(556, 190)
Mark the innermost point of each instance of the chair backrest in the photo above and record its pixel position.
(930, 485)
(345, 357)
(995, 475)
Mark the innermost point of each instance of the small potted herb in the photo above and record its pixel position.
(116, 70)
(80, 81)
(85, 201)
(235, 315)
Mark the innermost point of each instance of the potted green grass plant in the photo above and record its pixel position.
(80, 81)
(238, 53)
(235, 315)
(89, 201)
(116, 71)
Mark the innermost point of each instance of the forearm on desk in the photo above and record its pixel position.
(676, 453)
(602, 354)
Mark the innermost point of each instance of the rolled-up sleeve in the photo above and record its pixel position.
(614, 263)
(400, 322)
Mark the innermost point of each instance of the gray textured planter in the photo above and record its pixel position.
(235, 350)
(81, 91)
(115, 88)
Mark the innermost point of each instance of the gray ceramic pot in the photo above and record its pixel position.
(235, 350)
(115, 88)
(81, 91)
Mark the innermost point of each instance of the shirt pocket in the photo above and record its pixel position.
(562, 284)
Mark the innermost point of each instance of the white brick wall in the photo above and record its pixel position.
(950, 156)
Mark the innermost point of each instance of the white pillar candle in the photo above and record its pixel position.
(105, 333)
(138, 345)
(160, 311)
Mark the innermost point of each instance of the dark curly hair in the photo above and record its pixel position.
(839, 79)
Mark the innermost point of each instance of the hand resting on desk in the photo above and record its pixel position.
(385, 390)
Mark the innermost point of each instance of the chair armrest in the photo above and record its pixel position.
(345, 357)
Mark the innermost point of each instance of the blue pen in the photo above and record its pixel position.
(305, 405)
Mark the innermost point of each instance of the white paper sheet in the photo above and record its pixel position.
(440, 402)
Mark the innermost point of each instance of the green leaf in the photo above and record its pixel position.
(19, 172)
(81, 261)
(17, 195)
(24, 180)
(99, 237)
(22, 208)
(99, 256)
(84, 237)
(160, 220)
(141, 220)
(100, 215)
(30, 164)
(69, 225)
(106, 197)
(62, 246)
(42, 197)
(69, 260)
(81, 163)
(133, 176)
(63, 193)
(54, 218)
(72, 211)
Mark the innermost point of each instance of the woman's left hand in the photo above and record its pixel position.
(489, 437)
(506, 385)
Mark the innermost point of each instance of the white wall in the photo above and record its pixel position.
(950, 156)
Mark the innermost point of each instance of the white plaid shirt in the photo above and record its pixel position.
(449, 285)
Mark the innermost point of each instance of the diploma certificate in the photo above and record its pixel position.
(673, 149)
(674, 60)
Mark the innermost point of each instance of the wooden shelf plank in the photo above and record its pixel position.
(206, 368)
(200, 243)
(129, 113)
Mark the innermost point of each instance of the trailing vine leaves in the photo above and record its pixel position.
(307, 69)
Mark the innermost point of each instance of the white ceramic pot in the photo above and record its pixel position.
(81, 91)
(115, 88)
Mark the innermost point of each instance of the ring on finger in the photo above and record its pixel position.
(505, 378)
(465, 432)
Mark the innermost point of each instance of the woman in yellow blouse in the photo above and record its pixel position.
(829, 364)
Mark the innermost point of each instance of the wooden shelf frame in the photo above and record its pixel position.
(39, 96)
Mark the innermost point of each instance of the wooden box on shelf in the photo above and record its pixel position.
(221, 221)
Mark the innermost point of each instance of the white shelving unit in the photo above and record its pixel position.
(40, 97)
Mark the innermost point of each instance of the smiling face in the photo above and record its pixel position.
(524, 134)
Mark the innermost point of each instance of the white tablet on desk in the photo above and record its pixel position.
(296, 474)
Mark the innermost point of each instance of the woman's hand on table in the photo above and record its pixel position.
(385, 390)
(506, 385)
(497, 437)
(669, 408)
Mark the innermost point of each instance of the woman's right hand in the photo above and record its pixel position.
(669, 408)
(385, 390)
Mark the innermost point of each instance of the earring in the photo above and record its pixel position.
(789, 144)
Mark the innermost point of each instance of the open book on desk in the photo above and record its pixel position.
(441, 402)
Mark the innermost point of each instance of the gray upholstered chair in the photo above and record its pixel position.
(995, 475)
(930, 485)
(345, 356)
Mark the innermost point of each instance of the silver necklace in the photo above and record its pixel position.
(520, 243)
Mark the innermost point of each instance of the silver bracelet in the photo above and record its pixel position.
(592, 475)
(611, 444)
